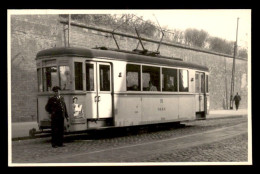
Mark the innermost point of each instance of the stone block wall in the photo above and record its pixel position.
(29, 34)
(32, 33)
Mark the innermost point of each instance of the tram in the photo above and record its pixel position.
(112, 88)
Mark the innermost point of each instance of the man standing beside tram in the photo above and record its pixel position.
(57, 108)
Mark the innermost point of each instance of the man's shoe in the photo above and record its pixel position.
(62, 145)
(54, 146)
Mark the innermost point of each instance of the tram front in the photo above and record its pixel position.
(86, 86)
(58, 71)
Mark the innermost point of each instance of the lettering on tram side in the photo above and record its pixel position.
(161, 109)
(136, 112)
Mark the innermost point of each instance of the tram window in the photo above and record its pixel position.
(78, 76)
(169, 79)
(197, 83)
(65, 77)
(183, 80)
(151, 78)
(207, 83)
(104, 73)
(89, 77)
(39, 75)
(50, 78)
(133, 77)
(202, 83)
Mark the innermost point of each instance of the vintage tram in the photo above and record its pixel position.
(112, 88)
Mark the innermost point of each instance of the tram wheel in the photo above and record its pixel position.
(32, 132)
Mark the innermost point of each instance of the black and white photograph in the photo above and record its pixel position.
(129, 87)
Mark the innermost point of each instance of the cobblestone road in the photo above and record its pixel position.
(227, 150)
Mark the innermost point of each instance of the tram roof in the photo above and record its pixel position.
(115, 55)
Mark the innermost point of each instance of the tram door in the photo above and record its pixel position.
(200, 91)
(99, 87)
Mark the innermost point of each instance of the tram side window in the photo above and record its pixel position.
(207, 83)
(65, 77)
(104, 72)
(50, 78)
(78, 76)
(202, 83)
(169, 79)
(183, 80)
(197, 83)
(89, 77)
(151, 78)
(133, 79)
(39, 75)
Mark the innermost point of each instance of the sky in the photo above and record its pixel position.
(220, 23)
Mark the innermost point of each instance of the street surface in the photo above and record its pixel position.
(218, 140)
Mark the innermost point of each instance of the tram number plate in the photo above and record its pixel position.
(161, 109)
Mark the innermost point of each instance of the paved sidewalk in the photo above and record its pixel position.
(21, 129)
(227, 113)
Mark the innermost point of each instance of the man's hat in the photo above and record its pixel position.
(55, 88)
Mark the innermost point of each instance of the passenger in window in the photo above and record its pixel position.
(169, 85)
(152, 87)
(135, 87)
(64, 86)
(77, 108)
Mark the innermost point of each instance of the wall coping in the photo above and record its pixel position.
(81, 25)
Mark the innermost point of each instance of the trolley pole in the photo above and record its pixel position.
(233, 70)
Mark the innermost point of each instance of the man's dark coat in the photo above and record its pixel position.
(57, 108)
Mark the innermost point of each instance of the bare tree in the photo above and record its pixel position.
(178, 36)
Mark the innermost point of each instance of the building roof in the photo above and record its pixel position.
(117, 55)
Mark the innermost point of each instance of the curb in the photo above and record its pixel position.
(29, 137)
(229, 116)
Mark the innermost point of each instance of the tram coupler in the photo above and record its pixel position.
(33, 132)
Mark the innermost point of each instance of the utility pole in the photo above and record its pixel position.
(233, 70)
(69, 31)
(226, 93)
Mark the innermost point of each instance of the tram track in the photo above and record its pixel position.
(40, 149)
(133, 151)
